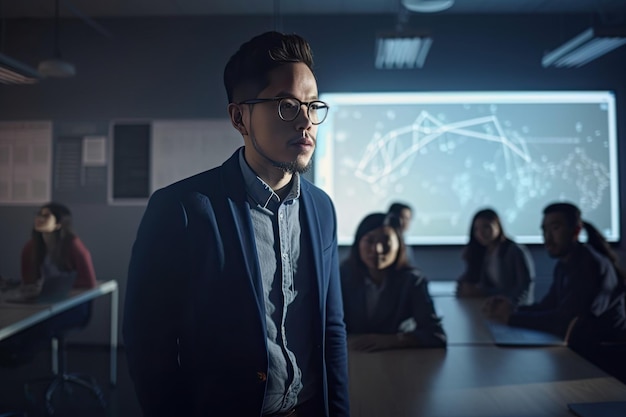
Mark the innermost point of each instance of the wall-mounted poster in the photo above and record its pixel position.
(25, 162)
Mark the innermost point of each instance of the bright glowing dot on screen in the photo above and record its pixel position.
(578, 127)
(391, 115)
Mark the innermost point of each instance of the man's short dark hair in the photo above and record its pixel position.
(570, 212)
(246, 72)
(397, 207)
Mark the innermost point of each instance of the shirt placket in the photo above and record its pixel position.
(288, 291)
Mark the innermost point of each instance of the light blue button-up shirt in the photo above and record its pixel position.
(284, 259)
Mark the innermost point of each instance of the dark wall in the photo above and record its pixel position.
(169, 68)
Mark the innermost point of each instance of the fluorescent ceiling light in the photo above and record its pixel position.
(427, 6)
(15, 72)
(397, 52)
(584, 48)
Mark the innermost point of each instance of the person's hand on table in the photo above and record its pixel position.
(468, 289)
(498, 308)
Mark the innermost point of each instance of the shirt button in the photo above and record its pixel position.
(261, 376)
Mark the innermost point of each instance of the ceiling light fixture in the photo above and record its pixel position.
(56, 66)
(427, 6)
(397, 51)
(15, 72)
(584, 48)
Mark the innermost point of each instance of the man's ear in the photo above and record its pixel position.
(236, 118)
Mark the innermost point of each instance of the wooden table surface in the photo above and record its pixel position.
(473, 377)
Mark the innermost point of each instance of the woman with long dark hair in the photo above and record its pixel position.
(54, 248)
(386, 300)
(495, 264)
(53, 251)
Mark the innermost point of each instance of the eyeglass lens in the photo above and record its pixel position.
(290, 107)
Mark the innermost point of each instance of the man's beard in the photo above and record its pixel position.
(293, 167)
(288, 167)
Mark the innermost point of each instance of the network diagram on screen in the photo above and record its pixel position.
(450, 154)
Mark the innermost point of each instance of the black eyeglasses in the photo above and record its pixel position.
(289, 108)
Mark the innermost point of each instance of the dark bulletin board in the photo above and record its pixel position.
(131, 161)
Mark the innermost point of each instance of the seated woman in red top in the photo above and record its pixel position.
(53, 250)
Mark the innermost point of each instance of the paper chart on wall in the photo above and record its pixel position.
(25, 162)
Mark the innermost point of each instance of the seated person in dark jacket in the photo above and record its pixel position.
(386, 301)
(587, 291)
(495, 264)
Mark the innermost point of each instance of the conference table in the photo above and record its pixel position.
(474, 377)
(15, 317)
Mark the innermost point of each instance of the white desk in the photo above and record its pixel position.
(473, 377)
(17, 317)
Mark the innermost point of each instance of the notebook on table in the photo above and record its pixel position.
(599, 409)
(54, 288)
(504, 335)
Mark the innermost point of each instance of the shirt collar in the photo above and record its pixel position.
(259, 191)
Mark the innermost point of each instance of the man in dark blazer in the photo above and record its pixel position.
(233, 303)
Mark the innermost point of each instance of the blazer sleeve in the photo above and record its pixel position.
(429, 330)
(335, 346)
(558, 307)
(153, 307)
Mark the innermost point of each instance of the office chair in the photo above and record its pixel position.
(61, 379)
(605, 354)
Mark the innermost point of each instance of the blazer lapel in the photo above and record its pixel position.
(242, 237)
(313, 223)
